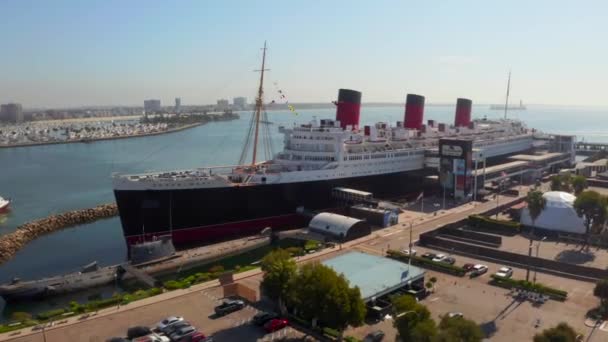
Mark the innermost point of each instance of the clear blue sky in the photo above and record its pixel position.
(74, 52)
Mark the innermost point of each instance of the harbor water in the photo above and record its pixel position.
(43, 180)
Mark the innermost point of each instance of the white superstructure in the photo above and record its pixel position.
(322, 150)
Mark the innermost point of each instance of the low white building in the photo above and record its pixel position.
(559, 214)
(339, 227)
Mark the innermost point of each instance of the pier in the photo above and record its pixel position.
(590, 148)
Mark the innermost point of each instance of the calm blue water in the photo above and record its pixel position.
(47, 179)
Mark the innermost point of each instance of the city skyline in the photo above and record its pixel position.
(112, 53)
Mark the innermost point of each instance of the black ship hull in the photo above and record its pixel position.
(195, 216)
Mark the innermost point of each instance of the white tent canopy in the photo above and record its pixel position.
(559, 214)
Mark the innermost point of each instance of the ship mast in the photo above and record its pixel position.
(259, 102)
(507, 99)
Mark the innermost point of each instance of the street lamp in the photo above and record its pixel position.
(537, 248)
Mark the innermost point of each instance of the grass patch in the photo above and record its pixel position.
(494, 226)
(510, 283)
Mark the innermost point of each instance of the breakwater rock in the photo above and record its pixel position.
(11, 243)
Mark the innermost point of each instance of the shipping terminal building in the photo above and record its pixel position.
(209, 204)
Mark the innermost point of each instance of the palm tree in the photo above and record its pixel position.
(592, 207)
(536, 205)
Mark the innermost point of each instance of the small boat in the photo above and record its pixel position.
(4, 204)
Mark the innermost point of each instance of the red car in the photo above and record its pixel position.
(275, 324)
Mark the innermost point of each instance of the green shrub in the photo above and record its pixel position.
(154, 291)
(427, 263)
(330, 332)
(19, 316)
(295, 251)
(351, 339)
(202, 277)
(509, 283)
(489, 224)
(216, 269)
(311, 245)
(114, 300)
(171, 285)
(50, 314)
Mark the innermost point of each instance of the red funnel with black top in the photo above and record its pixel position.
(349, 107)
(414, 111)
(463, 113)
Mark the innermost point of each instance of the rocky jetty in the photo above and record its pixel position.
(11, 243)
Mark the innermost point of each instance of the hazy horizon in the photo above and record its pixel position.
(68, 53)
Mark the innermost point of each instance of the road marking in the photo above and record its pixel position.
(434, 299)
(389, 234)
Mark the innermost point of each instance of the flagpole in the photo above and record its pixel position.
(422, 203)
(409, 260)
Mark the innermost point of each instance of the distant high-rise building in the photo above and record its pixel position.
(222, 104)
(11, 112)
(240, 102)
(151, 106)
(178, 104)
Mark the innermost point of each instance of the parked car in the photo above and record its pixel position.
(468, 267)
(478, 270)
(262, 317)
(181, 333)
(138, 331)
(175, 326)
(439, 257)
(275, 324)
(375, 336)
(429, 255)
(229, 306)
(406, 251)
(455, 314)
(168, 321)
(504, 272)
(449, 260)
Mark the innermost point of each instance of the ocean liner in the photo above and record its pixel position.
(215, 203)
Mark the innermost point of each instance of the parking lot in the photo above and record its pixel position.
(501, 316)
(197, 308)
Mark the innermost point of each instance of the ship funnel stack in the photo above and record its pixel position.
(414, 111)
(463, 113)
(348, 108)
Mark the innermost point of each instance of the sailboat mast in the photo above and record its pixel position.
(507, 99)
(259, 102)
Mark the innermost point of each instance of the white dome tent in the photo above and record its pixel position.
(559, 214)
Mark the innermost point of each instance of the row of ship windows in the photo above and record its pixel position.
(383, 155)
(312, 137)
(167, 185)
(313, 158)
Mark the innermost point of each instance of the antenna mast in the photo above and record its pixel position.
(259, 103)
(507, 99)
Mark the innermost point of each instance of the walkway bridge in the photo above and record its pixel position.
(139, 275)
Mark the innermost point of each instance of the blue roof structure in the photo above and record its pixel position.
(375, 276)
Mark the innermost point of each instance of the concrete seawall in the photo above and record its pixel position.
(11, 243)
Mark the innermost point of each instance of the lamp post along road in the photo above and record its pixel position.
(537, 249)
